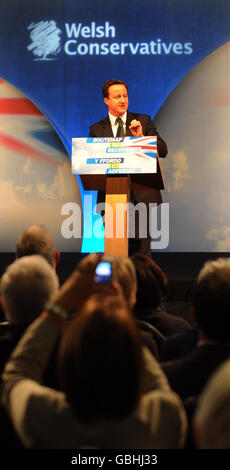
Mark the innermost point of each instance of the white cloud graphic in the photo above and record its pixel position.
(27, 167)
(180, 169)
(222, 237)
(20, 208)
(177, 172)
(25, 189)
(63, 185)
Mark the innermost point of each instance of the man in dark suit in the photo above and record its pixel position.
(115, 96)
(120, 122)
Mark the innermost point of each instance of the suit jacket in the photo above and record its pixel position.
(180, 344)
(189, 375)
(103, 129)
(166, 324)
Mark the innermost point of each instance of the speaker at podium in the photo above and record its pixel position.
(128, 170)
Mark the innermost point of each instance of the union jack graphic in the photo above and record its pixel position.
(35, 171)
(148, 145)
(20, 117)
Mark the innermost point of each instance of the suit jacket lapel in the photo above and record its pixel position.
(128, 121)
(106, 128)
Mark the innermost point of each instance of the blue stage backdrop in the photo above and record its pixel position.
(58, 53)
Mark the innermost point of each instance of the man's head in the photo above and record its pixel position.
(151, 283)
(115, 94)
(26, 286)
(36, 240)
(211, 300)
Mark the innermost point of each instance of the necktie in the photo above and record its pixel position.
(120, 130)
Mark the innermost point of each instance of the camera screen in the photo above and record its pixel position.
(103, 272)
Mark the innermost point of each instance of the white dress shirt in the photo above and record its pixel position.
(114, 124)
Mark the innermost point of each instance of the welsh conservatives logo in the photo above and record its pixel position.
(92, 39)
(45, 39)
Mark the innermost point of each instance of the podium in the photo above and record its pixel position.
(117, 194)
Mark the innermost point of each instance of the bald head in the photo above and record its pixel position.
(37, 240)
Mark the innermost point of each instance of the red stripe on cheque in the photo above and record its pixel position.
(18, 106)
(26, 150)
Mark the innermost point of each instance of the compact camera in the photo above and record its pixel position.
(103, 272)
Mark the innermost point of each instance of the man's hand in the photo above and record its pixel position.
(79, 286)
(136, 128)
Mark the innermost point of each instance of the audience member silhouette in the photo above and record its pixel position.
(123, 271)
(26, 286)
(211, 306)
(151, 293)
(101, 367)
(180, 344)
(211, 422)
(37, 240)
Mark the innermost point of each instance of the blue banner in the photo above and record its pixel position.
(59, 54)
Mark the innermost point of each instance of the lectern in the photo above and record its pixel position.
(117, 189)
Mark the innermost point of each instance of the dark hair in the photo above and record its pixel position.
(151, 282)
(109, 83)
(100, 360)
(36, 240)
(211, 299)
